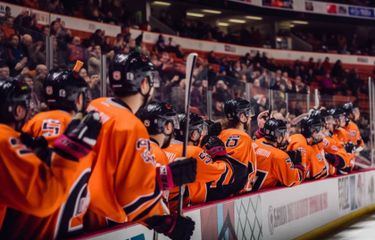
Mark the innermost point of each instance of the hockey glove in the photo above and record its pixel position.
(295, 156)
(39, 145)
(335, 160)
(349, 147)
(173, 226)
(177, 173)
(79, 137)
(214, 128)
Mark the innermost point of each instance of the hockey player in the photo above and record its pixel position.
(65, 93)
(29, 185)
(235, 178)
(160, 120)
(237, 142)
(207, 170)
(124, 181)
(274, 166)
(335, 153)
(351, 127)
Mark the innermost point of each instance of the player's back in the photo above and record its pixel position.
(123, 182)
(50, 124)
(354, 134)
(239, 146)
(274, 167)
(207, 172)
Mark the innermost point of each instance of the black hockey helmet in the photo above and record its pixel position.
(12, 94)
(234, 107)
(348, 110)
(311, 124)
(196, 123)
(61, 89)
(156, 114)
(126, 73)
(273, 129)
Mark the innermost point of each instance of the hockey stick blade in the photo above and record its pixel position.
(190, 63)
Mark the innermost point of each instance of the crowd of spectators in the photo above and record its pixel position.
(23, 55)
(366, 3)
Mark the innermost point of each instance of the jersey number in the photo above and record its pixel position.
(259, 179)
(51, 127)
(232, 141)
(76, 204)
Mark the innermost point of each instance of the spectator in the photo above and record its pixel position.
(76, 51)
(94, 60)
(4, 71)
(16, 55)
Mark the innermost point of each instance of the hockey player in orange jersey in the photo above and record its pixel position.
(29, 185)
(124, 182)
(351, 113)
(207, 170)
(65, 94)
(160, 120)
(69, 93)
(274, 166)
(235, 178)
(237, 142)
(336, 154)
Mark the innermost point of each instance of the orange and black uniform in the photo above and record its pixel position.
(50, 124)
(313, 159)
(274, 167)
(208, 172)
(354, 134)
(240, 147)
(28, 184)
(123, 183)
(332, 146)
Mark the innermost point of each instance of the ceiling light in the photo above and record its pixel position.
(291, 25)
(254, 18)
(192, 14)
(233, 20)
(211, 11)
(161, 3)
(300, 22)
(223, 24)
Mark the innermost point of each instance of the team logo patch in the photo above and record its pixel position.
(130, 76)
(144, 147)
(49, 90)
(116, 75)
(146, 123)
(62, 93)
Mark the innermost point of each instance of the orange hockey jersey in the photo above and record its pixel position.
(123, 184)
(332, 146)
(29, 185)
(66, 221)
(313, 159)
(49, 124)
(240, 147)
(274, 167)
(354, 134)
(208, 172)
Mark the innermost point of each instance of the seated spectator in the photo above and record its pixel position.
(94, 60)
(76, 51)
(4, 71)
(16, 56)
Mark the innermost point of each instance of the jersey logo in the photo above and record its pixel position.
(51, 127)
(145, 145)
(232, 141)
(352, 133)
(171, 156)
(263, 152)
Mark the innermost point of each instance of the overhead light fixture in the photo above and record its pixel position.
(233, 20)
(291, 25)
(161, 3)
(223, 24)
(211, 11)
(192, 14)
(254, 18)
(300, 22)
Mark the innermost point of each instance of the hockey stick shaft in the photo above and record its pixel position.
(190, 63)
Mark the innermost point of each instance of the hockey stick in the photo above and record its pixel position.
(190, 63)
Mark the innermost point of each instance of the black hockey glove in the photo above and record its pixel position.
(335, 160)
(79, 137)
(349, 147)
(214, 128)
(173, 226)
(177, 173)
(295, 156)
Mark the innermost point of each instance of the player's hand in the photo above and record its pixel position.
(214, 128)
(295, 156)
(177, 173)
(349, 147)
(79, 137)
(173, 226)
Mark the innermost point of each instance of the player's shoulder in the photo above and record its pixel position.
(352, 125)
(7, 134)
(234, 132)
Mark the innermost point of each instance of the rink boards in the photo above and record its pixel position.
(278, 213)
